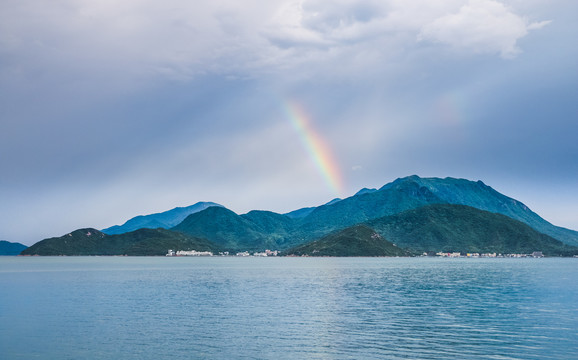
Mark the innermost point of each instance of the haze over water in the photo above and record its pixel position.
(288, 308)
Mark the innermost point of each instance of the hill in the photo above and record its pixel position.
(359, 240)
(460, 228)
(165, 220)
(142, 242)
(10, 248)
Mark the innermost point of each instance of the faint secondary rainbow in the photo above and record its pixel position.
(318, 151)
(450, 108)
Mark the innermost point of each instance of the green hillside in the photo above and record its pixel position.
(366, 206)
(142, 242)
(227, 229)
(79, 242)
(481, 196)
(359, 240)
(461, 228)
(278, 230)
(413, 192)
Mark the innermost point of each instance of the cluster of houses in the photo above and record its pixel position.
(259, 254)
(535, 254)
(226, 253)
(189, 253)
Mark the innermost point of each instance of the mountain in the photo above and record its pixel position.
(359, 240)
(165, 220)
(256, 230)
(449, 228)
(225, 228)
(413, 192)
(481, 196)
(366, 206)
(10, 248)
(142, 242)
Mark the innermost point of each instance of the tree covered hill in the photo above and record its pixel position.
(142, 242)
(449, 228)
(358, 240)
(257, 230)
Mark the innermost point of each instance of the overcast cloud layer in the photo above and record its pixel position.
(113, 109)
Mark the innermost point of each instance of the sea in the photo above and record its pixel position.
(288, 308)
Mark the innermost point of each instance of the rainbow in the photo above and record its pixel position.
(318, 151)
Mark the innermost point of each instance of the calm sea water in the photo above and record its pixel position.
(287, 308)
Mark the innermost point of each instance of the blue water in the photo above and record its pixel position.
(287, 308)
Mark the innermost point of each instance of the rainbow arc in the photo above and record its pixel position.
(317, 148)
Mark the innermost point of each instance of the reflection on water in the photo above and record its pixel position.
(288, 308)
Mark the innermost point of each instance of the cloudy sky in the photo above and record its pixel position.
(111, 109)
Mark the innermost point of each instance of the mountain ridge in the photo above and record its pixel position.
(165, 219)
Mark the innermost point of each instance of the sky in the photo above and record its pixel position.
(112, 109)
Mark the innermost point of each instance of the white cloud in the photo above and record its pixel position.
(538, 25)
(482, 26)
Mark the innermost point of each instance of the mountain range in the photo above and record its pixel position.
(416, 214)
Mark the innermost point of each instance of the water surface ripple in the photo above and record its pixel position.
(288, 308)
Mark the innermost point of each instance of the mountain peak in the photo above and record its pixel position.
(365, 191)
